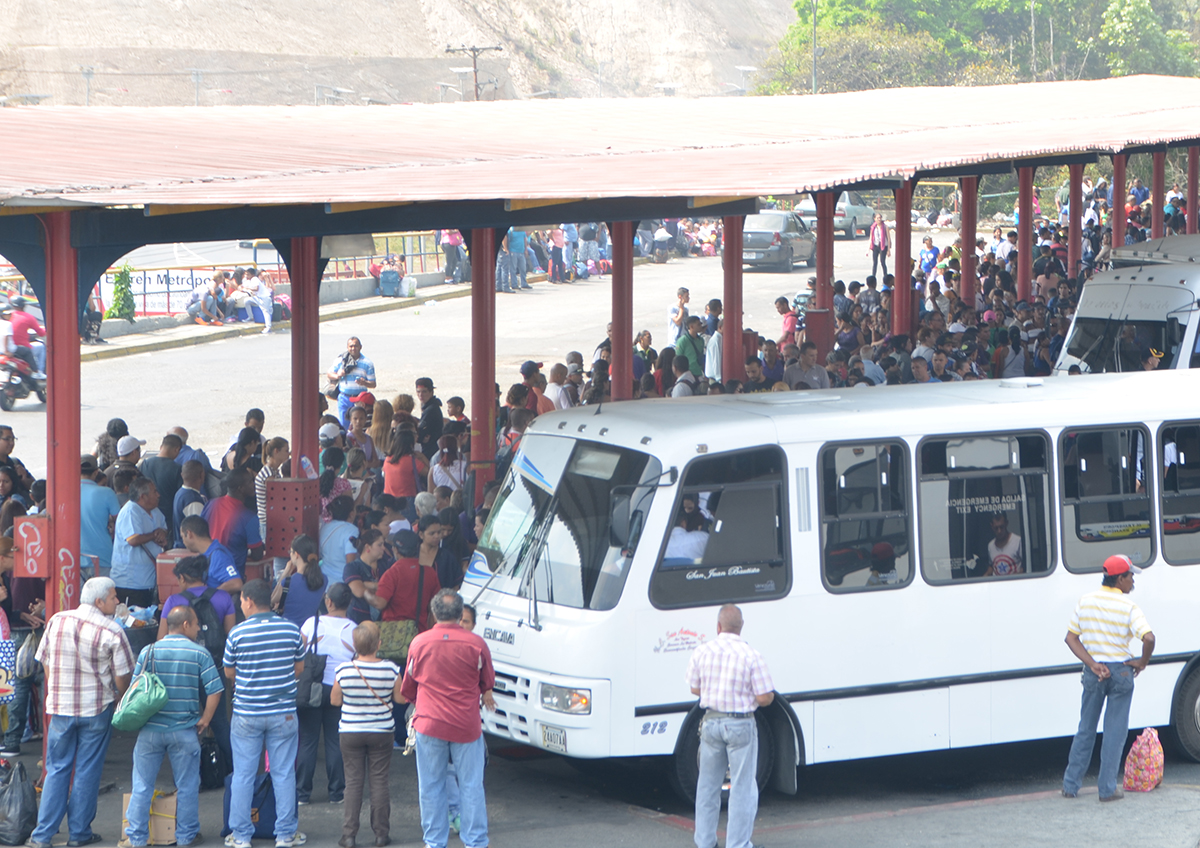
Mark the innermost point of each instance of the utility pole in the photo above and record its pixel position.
(88, 72)
(197, 78)
(474, 53)
(814, 47)
(1032, 41)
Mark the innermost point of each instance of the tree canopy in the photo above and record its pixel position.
(887, 43)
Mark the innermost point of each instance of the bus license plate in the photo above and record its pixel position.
(749, 254)
(554, 739)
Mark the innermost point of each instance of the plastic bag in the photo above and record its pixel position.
(27, 656)
(1144, 764)
(18, 806)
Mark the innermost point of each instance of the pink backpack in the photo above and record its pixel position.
(1144, 765)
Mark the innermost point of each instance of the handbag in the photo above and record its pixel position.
(309, 691)
(332, 389)
(142, 700)
(395, 637)
(213, 764)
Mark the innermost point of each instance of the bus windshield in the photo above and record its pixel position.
(568, 520)
(1099, 345)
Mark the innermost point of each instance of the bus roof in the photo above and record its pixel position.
(659, 426)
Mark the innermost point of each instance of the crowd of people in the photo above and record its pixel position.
(392, 547)
(228, 297)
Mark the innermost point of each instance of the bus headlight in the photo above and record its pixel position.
(564, 700)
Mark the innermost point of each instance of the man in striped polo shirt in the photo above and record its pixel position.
(1099, 633)
(264, 656)
(185, 668)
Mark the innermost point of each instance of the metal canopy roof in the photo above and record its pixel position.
(181, 159)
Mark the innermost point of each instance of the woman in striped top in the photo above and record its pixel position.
(275, 453)
(366, 688)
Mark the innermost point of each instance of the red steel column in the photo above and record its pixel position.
(733, 357)
(968, 232)
(1075, 222)
(622, 310)
(62, 411)
(1190, 192)
(819, 322)
(1025, 233)
(306, 366)
(902, 258)
(1120, 192)
(483, 356)
(1158, 194)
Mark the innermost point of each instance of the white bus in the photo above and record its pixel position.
(1148, 300)
(906, 558)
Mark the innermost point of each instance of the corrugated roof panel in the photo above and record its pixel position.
(514, 149)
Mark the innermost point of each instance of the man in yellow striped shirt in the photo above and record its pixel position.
(1099, 633)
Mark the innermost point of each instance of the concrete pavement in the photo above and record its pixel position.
(539, 800)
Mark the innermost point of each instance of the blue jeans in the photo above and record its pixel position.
(18, 707)
(248, 735)
(503, 272)
(345, 405)
(433, 757)
(1117, 690)
(727, 743)
(79, 744)
(517, 269)
(183, 749)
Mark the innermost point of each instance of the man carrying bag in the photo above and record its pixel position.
(184, 668)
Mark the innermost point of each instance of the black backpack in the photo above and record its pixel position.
(212, 629)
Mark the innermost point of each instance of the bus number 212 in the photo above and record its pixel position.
(649, 728)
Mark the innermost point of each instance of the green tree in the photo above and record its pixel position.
(122, 302)
(1134, 42)
(855, 58)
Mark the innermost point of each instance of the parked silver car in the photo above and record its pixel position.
(778, 238)
(851, 215)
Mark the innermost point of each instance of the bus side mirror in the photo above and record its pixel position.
(618, 518)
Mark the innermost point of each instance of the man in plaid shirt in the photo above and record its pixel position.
(732, 681)
(88, 665)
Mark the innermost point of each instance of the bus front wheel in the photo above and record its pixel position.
(1185, 717)
(685, 764)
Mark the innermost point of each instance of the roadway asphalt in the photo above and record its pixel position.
(208, 388)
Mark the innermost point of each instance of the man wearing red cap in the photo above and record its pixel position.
(1099, 633)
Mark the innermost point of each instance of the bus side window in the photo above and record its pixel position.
(1179, 450)
(1106, 499)
(865, 516)
(985, 507)
(727, 541)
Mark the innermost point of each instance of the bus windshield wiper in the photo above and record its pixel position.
(536, 544)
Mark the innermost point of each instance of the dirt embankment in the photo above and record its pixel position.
(144, 52)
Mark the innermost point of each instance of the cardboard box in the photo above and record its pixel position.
(162, 818)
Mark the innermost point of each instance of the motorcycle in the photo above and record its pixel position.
(17, 381)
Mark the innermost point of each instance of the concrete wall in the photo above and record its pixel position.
(332, 291)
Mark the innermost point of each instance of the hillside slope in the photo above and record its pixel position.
(272, 51)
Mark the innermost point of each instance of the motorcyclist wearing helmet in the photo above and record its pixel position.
(22, 325)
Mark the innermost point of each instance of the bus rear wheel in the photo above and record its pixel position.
(1185, 717)
(685, 764)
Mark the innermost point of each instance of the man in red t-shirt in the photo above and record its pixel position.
(22, 325)
(449, 672)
